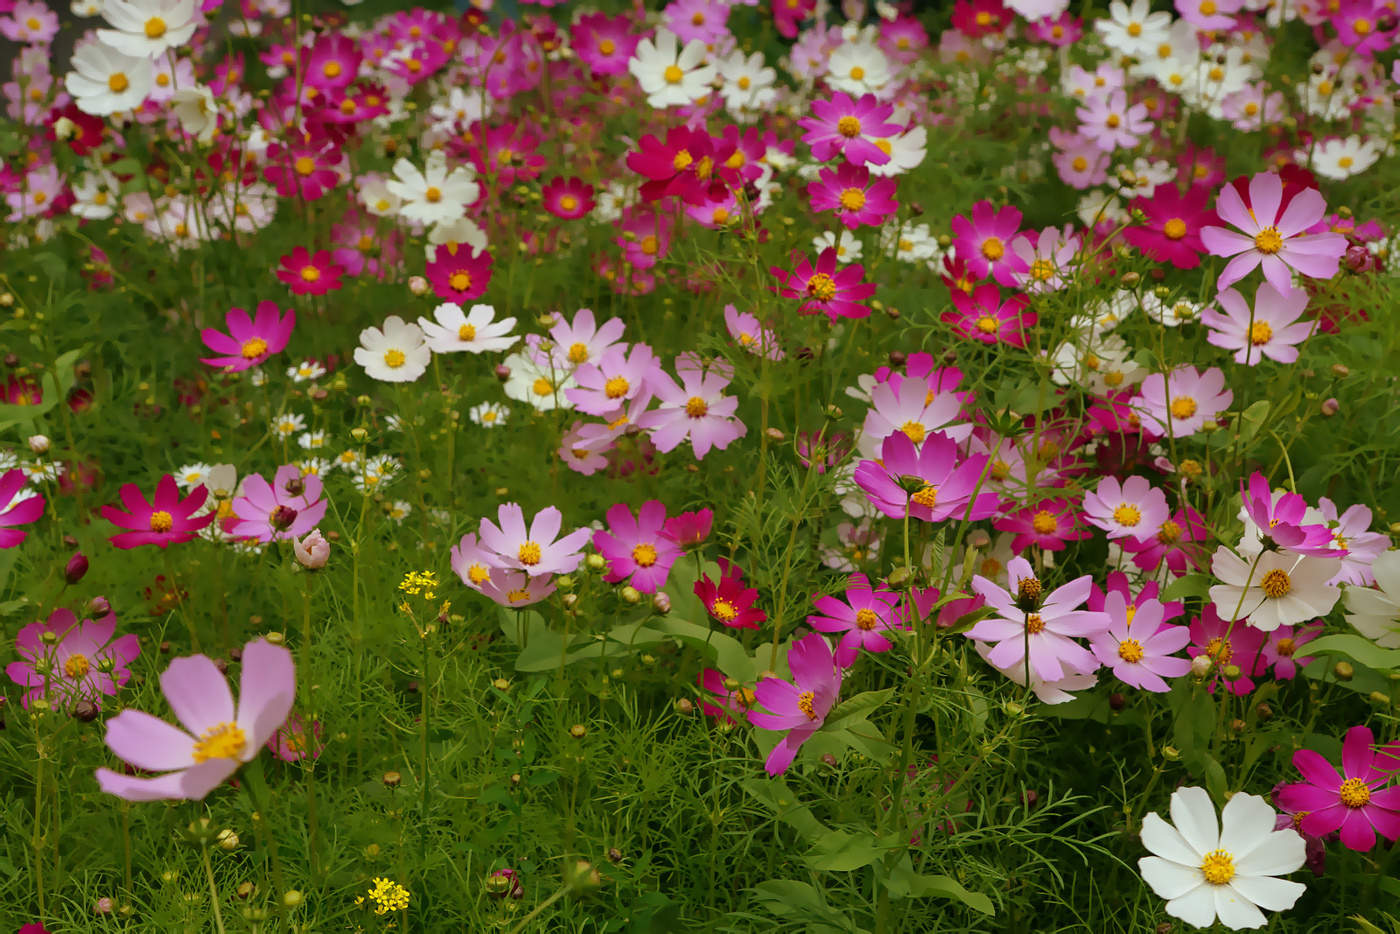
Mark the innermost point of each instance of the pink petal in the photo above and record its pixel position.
(198, 693)
(191, 784)
(148, 742)
(266, 690)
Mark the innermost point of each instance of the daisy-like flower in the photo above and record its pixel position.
(475, 331)
(1173, 222)
(516, 589)
(1048, 258)
(534, 550)
(603, 43)
(65, 661)
(750, 334)
(1282, 649)
(669, 75)
(16, 508)
(856, 199)
(294, 740)
(288, 507)
(583, 340)
(305, 371)
(488, 414)
(846, 244)
(864, 614)
(435, 194)
(313, 441)
(982, 316)
(148, 28)
(824, 288)
(618, 377)
(929, 481)
(1279, 518)
(1277, 588)
(799, 706)
(1133, 30)
(983, 241)
(1112, 123)
(193, 475)
(249, 342)
(849, 128)
(457, 274)
(166, 519)
(308, 274)
(1272, 234)
(541, 383)
(1132, 508)
(1272, 329)
(636, 547)
(858, 68)
(1355, 802)
(287, 424)
(729, 601)
(1340, 159)
(1139, 647)
(567, 198)
(746, 84)
(696, 408)
(1180, 403)
(1048, 524)
(1375, 613)
(217, 738)
(735, 699)
(1228, 646)
(397, 353)
(1045, 624)
(104, 81)
(1207, 871)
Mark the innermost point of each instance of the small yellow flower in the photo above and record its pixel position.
(420, 583)
(387, 896)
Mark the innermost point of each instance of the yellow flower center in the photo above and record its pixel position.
(221, 741)
(1000, 469)
(914, 430)
(673, 74)
(848, 126)
(1130, 650)
(644, 554)
(1112, 121)
(155, 27)
(1219, 650)
(1044, 522)
(607, 47)
(578, 353)
(804, 704)
(1268, 240)
(1135, 29)
(1286, 648)
(1218, 866)
(987, 324)
(616, 387)
(1361, 27)
(466, 332)
(1034, 623)
(744, 82)
(857, 73)
(821, 287)
(682, 160)
(1183, 407)
(254, 348)
(161, 521)
(1276, 583)
(867, 619)
(1029, 589)
(118, 82)
(1079, 164)
(926, 497)
(460, 281)
(304, 165)
(696, 407)
(433, 194)
(478, 574)
(310, 273)
(1260, 333)
(1355, 793)
(853, 199)
(724, 611)
(1042, 269)
(1175, 228)
(542, 387)
(529, 553)
(1127, 515)
(1208, 7)
(331, 69)
(394, 358)
(76, 665)
(993, 249)
(568, 202)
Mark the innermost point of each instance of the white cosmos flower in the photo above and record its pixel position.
(858, 68)
(104, 81)
(435, 194)
(198, 114)
(1206, 871)
(1376, 613)
(148, 27)
(1281, 589)
(474, 331)
(488, 414)
(395, 354)
(543, 387)
(668, 76)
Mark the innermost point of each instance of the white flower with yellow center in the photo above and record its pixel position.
(148, 28)
(1275, 589)
(396, 353)
(671, 76)
(104, 81)
(436, 194)
(858, 68)
(541, 385)
(489, 414)
(1375, 613)
(1227, 870)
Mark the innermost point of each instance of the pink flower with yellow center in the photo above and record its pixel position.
(249, 341)
(1354, 801)
(800, 706)
(534, 550)
(729, 601)
(165, 520)
(637, 547)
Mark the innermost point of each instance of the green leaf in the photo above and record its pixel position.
(856, 708)
(1192, 585)
(1357, 648)
(904, 882)
(729, 656)
(774, 795)
(1252, 419)
(839, 851)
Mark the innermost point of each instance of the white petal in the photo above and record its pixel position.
(1169, 880)
(1167, 842)
(1281, 852)
(1268, 892)
(1194, 815)
(1196, 908)
(1235, 910)
(1247, 822)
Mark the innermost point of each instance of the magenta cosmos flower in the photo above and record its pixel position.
(863, 613)
(1180, 403)
(730, 601)
(166, 519)
(850, 128)
(929, 481)
(1353, 802)
(1272, 236)
(535, 550)
(690, 528)
(1048, 524)
(1273, 329)
(856, 199)
(249, 341)
(217, 737)
(734, 702)
(983, 316)
(800, 708)
(1173, 224)
(459, 274)
(1279, 515)
(67, 661)
(567, 198)
(696, 409)
(637, 547)
(306, 274)
(15, 508)
(288, 507)
(1047, 625)
(1139, 647)
(824, 288)
(984, 242)
(1132, 508)
(1174, 544)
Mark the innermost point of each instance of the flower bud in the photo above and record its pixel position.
(358, 435)
(1330, 407)
(1379, 699)
(282, 518)
(595, 562)
(661, 603)
(502, 372)
(86, 711)
(1171, 753)
(581, 876)
(1201, 666)
(578, 731)
(1232, 673)
(1343, 671)
(227, 840)
(39, 444)
(292, 898)
(418, 285)
(63, 129)
(76, 567)
(684, 707)
(392, 779)
(1340, 370)
(103, 905)
(313, 551)
(629, 594)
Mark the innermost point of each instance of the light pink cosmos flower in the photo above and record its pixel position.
(1132, 508)
(620, 375)
(534, 550)
(1278, 517)
(1048, 257)
(249, 341)
(696, 408)
(1351, 530)
(217, 737)
(917, 407)
(1139, 647)
(637, 547)
(1354, 802)
(799, 708)
(1179, 404)
(66, 661)
(1273, 329)
(931, 481)
(288, 507)
(1025, 617)
(1273, 236)
(1111, 123)
(864, 616)
(16, 508)
(751, 334)
(849, 128)
(579, 341)
(1047, 692)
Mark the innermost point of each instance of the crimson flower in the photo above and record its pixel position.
(730, 601)
(1172, 232)
(306, 274)
(825, 288)
(166, 519)
(459, 275)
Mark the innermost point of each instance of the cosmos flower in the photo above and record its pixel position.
(165, 520)
(1273, 328)
(637, 547)
(537, 550)
(1353, 802)
(16, 508)
(288, 507)
(729, 601)
(864, 615)
(800, 706)
(249, 342)
(1045, 625)
(824, 288)
(65, 661)
(849, 128)
(696, 409)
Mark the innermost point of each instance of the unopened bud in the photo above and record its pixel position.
(63, 129)
(629, 594)
(1233, 673)
(392, 779)
(39, 444)
(86, 711)
(684, 707)
(313, 551)
(582, 876)
(97, 607)
(418, 285)
(1343, 671)
(292, 898)
(660, 603)
(1201, 666)
(227, 840)
(502, 372)
(1171, 753)
(595, 562)
(1330, 407)
(1340, 370)
(578, 731)
(282, 518)
(1379, 699)
(1264, 712)
(1130, 278)
(76, 568)
(359, 435)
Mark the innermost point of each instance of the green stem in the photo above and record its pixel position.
(213, 889)
(563, 890)
(260, 798)
(308, 725)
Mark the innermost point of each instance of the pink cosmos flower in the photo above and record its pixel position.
(293, 741)
(1174, 544)
(1046, 624)
(515, 589)
(916, 406)
(751, 335)
(1048, 524)
(1351, 531)
(581, 340)
(289, 507)
(849, 128)
(931, 482)
(1273, 236)
(865, 614)
(856, 199)
(1111, 122)
(1180, 403)
(1139, 647)
(729, 601)
(824, 288)
(166, 519)
(799, 708)
(1228, 645)
(16, 508)
(984, 242)
(696, 408)
(1367, 26)
(1273, 329)
(66, 661)
(535, 550)
(217, 737)
(690, 164)
(567, 198)
(1279, 516)
(249, 342)
(734, 703)
(1132, 508)
(306, 170)
(618, 377)
(1353, 802)
(29, 22)
(459, 274)
(1281, 650)
(306, 274)
(637, 547)
(689, 528)
(603, 43)
(333, 63)
(1173, 221)
(983, 316)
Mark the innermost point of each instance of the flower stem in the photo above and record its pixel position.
(213, 889)
(260, 798)
(308, 726)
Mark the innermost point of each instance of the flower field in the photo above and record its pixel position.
(721, 465)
